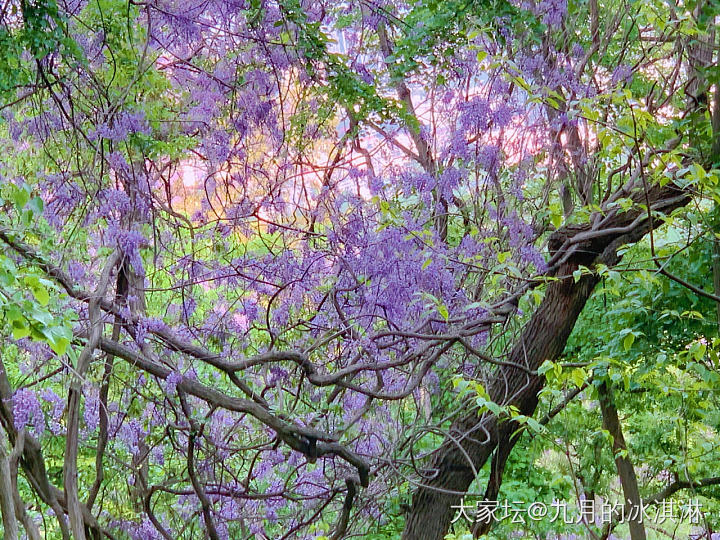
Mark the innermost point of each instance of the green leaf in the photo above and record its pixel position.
(20, 330)
(503, 256)
(59, 345)
(40, 315)
(13, 313)
(41, 294)
(546, 366)
(697, 350)
(20, 197)
(36, 205)
(628, 341)
(556, 220)
(535, 425)
(578, 376)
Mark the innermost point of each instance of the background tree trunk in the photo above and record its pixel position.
(625, 468)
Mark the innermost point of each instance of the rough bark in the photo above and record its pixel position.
(473, 438)
(624, 465)
(505, 445)
(7, 505)
(543, 338)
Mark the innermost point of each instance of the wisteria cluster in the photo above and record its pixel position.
(279, 239)
(238, 247)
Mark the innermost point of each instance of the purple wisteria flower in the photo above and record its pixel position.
(27, 411)
(622, 74)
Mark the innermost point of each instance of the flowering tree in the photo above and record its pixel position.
(269, 264)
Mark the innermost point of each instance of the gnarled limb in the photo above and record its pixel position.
(33, 464)
(29, 525)
(344, 519)
(543, 338)
(70, 471)
(305, 440)
(196, 430)
(7, 504)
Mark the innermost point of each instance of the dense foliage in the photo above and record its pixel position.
(309, 269)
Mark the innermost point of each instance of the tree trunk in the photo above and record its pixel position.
(625, 468)
(7, 504)
(543, 338)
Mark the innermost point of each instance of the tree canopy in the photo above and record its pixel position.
(318, 269)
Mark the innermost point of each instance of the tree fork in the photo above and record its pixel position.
(543, 338)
